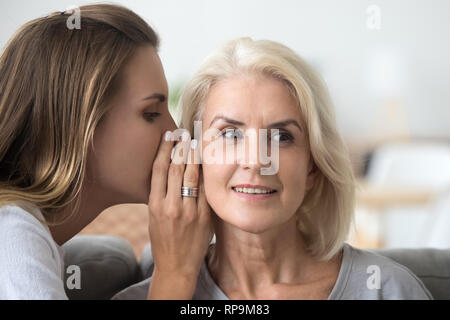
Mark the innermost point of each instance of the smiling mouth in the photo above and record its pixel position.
(254, 190)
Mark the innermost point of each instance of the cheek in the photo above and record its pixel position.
(212, 177)
(124, 156)
(293, 174)
(216, 178)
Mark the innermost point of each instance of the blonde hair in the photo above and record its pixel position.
(55, 87)
(325, 216)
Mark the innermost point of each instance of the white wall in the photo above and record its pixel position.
(408, 58)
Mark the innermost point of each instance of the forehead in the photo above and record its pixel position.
(252, 97)
(143, 73)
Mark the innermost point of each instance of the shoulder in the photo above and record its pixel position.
(31, 263)
(12, 213)
(373, 276)
(18, 227)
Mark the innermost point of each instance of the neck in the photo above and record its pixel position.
(246, 263)
(91, 206)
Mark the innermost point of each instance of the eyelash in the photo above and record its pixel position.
(151, 116)
(289, 139)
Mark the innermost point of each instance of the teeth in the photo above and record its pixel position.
(252, 190)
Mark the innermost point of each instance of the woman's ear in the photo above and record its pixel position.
(312, 174)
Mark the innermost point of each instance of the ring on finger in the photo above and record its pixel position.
(189, 192)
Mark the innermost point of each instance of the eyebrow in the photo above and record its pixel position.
(285, 123)
(278, 124)
(161, 97)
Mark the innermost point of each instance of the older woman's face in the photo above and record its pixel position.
(256, 102)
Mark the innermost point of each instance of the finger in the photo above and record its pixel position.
(160, 168)
(176, 170)
(204, 210)
(191, 175)
(203, 206)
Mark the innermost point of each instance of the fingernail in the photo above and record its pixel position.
(167, 136)
(194, 144)
(186, 136)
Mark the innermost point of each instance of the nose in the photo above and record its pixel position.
(169, 124)
(249, 153)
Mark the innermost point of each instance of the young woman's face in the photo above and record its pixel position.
(256, 102)
(127, 139)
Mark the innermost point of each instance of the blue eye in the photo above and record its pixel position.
(230, 133)
(282, 137)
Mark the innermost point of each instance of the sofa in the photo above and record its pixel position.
(108, 265)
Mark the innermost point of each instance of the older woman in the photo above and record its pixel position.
(280, 235)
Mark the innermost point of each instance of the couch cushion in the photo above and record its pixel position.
(108, 264)
(432, 266)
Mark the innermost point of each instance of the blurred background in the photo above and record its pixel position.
(387, 67)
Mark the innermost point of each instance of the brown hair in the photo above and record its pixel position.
(55, 84)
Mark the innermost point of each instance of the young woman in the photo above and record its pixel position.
(279, 235)
(83, 114)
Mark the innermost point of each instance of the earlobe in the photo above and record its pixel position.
(310, 181)
(312, 173)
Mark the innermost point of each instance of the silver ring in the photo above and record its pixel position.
(189, 192)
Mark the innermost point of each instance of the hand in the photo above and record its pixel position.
(180, 227)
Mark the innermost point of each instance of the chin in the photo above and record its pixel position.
(140, 197)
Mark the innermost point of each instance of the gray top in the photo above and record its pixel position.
(363, 275)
